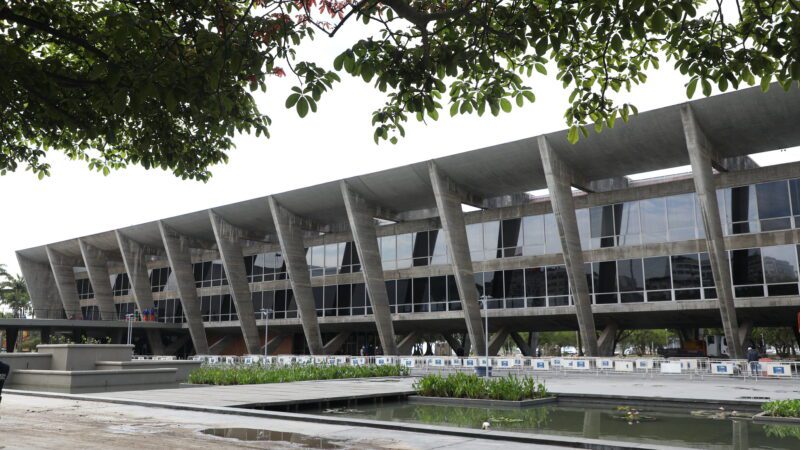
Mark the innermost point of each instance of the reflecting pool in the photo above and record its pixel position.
(716, 429)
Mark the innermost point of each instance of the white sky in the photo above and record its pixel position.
(334, 143)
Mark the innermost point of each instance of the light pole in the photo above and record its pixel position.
(486, 334)
(265, 315)
(129, 317)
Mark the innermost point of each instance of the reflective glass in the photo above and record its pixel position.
(680, 217)
(631, 275)
(605, 276)
(535, 282)
(780, 264)
(512, 237)
(475, 240)
(514, 281)
(627, 222)
(794, 192)
(405, 246)
(746, 267)
(601, 219)
(552, 237)
(740, 205)
(654, 220)
(533, 235)
(685, 271)
(557, 281)
(421, 248)
(706, 274)
(491, 237)
(585, 228)
(774, 206)
(438, 289)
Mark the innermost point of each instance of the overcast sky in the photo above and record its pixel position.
(334, 143)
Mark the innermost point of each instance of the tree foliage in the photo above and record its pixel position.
(14, 293)
(168, 83)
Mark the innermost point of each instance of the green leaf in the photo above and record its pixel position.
(505, 104)
(529, 95)
(302, 107)
(338, 63)
(540, 68)
(292, 100)
(572, 135)
(691, 87)
(454, 108)
(706, 88)
(765, 81)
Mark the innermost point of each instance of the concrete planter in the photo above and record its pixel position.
(24, 361)
(84, 356)
(84, 381)
(762, 417)
(481, 402)
(184, 368)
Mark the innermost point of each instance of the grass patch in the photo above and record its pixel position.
(782, 408)
(233, 375)
(461, 385)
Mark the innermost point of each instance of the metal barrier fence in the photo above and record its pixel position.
(691, 367)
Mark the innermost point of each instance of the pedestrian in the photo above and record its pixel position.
(4, 370)
(752, 359)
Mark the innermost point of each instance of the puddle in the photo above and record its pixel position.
(252, 434)
(750, 397)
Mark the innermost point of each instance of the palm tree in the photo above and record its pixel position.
(14, 293)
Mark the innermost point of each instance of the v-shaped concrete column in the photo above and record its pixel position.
(97, 267)
(41, 288)
(290, 236)
(362, 225)
(559, 182)
(448, 202)
(230, 251)
(701, 157)
(65, 283)
(180, 260)
(133, 258)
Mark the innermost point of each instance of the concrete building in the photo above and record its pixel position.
(386, 257)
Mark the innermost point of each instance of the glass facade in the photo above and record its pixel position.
(120, 284)
(332, 259)
(760, 207)
(169, 311)
(85, 290)
(281, 302)
(209, 273)
(162, 279)
(422, 248)
(217, 308)
(265, 267)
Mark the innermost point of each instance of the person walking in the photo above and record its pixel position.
(4, 370)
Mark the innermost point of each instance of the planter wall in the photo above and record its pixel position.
(23, 361)
(184, 368)
(84, 356)
(82, 381)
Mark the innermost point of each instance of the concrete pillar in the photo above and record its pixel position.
(65, 283)
(533, 341)
(467, 344)
(559, 182)
(523, 346)
(97, 267)
(746, 334)
(362, 225)
(453, 342)
(180, 260)
(230, 251)
(701, 155)
(405, 344)
(336, 342)
(448, 202)
(497, 341)
(290, 236)
(41, 288)
(133, 258)
(608, 340)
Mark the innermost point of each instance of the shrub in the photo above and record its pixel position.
(461, 385)
(233, 375)
(782, 408)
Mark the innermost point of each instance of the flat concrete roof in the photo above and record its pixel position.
(737, 123)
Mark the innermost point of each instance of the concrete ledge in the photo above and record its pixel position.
(184, 368)
(481, 402)
(659, 402)
(83, 356)
(76, 381)
(23, 361)
(762, 417)
(507, 436)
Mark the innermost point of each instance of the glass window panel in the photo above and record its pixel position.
(627, 223)
(317, 258)
(774, 290)
(653, 213)
(687, 294)
(438, 247)
(780, 264)
(680, 217)
(438, 289)
(773, 200)
(319, 297)
(360, 295)
(344, 254)
(605, 276)
(475, 240)
(405, 246)
(746, 267)
(659, 296)
(535, 282)
(631, 297)
(686, 271)
(552, 238)
(514, 281)
(601, 219)
(421, 290)
(355, 259)
(491, 237)
(512, 237)
(794, 192)
(631, 275)
(421, 246)
(343, 299)
(584, 228)
(331, 258)
(388, 248)
(533, 235)
(740, 205)
(452, 289)
(403, 295)
(557, 281)
(329, 294)
(706, 274)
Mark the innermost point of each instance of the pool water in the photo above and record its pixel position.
(700, 429)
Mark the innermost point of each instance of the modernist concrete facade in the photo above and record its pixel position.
(392, 255)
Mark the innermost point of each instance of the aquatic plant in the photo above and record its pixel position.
(782, 408)
(234, 375)
(461, 385)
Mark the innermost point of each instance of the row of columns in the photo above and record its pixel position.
(560, 178)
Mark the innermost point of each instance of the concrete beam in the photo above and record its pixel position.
(230, 251)
(135, 262)
(336, 343)
(41, 288)
(701, 155)
(97, 267)
(406, 343)
(65, 283)
(453, 342)
(522, 345)
(497, 341)
(608, 340)
(448, 202)
(290, 236)
(180, 260)
(560, 179)
(362, 223)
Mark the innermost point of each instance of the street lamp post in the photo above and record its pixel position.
(265, 314)
(486, 334)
